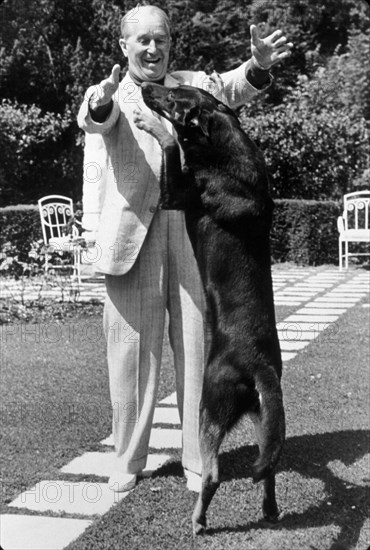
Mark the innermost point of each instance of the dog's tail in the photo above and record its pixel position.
(269, 423)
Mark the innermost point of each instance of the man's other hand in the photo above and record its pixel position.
(148, 123)
(270, 50)
(153, 126)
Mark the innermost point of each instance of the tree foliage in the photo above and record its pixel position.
(316, 141)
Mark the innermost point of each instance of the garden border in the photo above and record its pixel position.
(303, 231)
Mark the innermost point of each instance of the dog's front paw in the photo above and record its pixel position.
(166, 205)
(170, 204)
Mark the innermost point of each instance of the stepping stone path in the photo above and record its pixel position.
(322, 296)
(67, 292)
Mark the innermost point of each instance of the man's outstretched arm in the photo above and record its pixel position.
(98, 112)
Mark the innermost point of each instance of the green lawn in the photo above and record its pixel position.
(55, 406)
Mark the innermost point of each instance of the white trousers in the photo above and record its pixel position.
(164, 277)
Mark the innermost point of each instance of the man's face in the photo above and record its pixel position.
(147, 46)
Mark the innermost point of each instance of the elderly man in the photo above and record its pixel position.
(145, 252)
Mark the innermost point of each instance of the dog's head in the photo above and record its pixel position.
(191, 110)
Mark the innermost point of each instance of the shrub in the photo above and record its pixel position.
(20, 226)
(305, 232)
(310, 155)
(37, 157)
(362, 182)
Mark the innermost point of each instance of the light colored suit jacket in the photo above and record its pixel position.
(130, 171)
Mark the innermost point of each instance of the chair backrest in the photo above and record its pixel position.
(356, 209)
(55, 212)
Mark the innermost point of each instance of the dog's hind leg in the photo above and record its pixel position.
(269, 506)
(210, 439)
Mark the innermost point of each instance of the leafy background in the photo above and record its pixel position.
(313, 123)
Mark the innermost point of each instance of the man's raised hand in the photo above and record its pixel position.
(103, 92)
(270, 50)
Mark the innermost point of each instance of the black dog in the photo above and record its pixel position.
(224, 192)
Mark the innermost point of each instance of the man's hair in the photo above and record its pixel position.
(132, 17)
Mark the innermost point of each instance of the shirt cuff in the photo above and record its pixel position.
(260, 78)
(88, 124)
(102, 114)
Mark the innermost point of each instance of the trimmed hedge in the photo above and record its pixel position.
(303, 232)
(20, 226)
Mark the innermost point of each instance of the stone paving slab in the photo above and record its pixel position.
(285, 303)
(348, 290)
(166, 415)
(166, 438)
(325, 307)
(354, 297)
(86, 498)
(337, 299)
(355, 286)
(289, 291)
(170, 400)
(20, 532)
(312, 287)
(312, 318)
(295, 296)
(108, 441)
(293, 333)
(322, 311)
(287, 356)
(292, 299)
(293, 345)
(342, 306)
(300, 330)
(340, 296)
(159, 439)
(285, 278)
(104, 464)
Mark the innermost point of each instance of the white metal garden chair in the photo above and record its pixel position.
(353, 224)
(55, 213)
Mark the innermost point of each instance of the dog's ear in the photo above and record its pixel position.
(197, 117)
(222, 108)
(204, 122)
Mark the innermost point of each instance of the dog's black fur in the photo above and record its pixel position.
(224, 192)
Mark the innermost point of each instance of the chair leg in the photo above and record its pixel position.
(77, 264)
(346, 252)
(340, 256)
